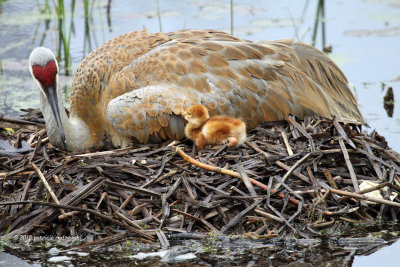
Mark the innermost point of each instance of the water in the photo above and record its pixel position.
(364, 36)
(383, 257)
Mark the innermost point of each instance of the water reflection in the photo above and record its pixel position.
(227, 252)
(383, 257)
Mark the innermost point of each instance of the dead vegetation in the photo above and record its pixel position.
(291, 178)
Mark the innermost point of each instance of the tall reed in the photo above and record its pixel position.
(159, 15)
(320, 16)
(232, 17)
(87, 38)
(64, 35)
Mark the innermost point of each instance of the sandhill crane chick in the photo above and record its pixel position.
(203, 130)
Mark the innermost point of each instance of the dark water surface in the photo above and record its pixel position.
(364, 37)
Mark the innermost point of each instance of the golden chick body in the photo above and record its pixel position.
(203, 130)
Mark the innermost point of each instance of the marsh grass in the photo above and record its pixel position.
(64, 33)
(45, 8)
(159, 15)
(65, 27)
(319, 18)
(108, 13)
(63, 12)
(87, 39)
(232, 17)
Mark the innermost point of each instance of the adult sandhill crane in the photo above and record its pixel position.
(135, 87)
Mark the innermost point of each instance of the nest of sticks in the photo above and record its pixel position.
(292, 178)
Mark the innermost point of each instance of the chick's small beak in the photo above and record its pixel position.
(185, 115)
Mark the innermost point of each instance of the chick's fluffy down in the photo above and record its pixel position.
(218, 129)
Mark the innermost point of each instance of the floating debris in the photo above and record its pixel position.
(388, 102)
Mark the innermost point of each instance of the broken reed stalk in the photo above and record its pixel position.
(93, 212)
(295, 173)
(286, 142)
(281, 195)
(231, 173)
(46, 184)
(257, 149)
(120, 151)
(291, 170)
(330, 179)
(155, 188)
(371, 189)
(364, 197)
(349, 165)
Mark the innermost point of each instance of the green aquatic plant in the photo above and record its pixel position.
(87, 38)
(46, 9)
(353, 87)
(232, 17)
(63, 13)
(64, 35)
(159, 15)
(320, 16)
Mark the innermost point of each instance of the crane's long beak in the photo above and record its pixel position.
(51, 94)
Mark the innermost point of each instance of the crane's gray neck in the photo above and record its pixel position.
(77, 134)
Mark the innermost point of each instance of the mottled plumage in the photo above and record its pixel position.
(135, 87)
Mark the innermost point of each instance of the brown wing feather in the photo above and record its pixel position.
(254, 81)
